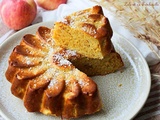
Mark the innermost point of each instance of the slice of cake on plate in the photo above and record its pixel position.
(86, 31)
(89, 33)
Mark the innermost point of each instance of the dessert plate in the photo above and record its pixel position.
(123, 93)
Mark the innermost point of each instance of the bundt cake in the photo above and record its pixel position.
(87, 31)
(47, 82)
(49, 71)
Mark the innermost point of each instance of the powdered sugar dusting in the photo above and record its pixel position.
(52, 83)
(58, 59)
(64, 62)
(71, 52)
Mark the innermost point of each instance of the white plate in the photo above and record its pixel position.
(123, 93)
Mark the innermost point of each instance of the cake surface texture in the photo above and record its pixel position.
(111, 63)
(87, 31)
(47, 82)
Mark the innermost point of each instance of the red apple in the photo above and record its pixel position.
(50, 4)
(17, 14)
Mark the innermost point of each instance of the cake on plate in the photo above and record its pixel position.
(51, 77)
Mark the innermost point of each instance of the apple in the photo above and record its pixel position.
(17, 14)
(50, 4)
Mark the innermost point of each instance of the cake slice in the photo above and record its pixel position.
(86, 31)
(89, 33)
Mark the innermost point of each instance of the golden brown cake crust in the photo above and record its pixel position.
(96, 23)
(47, 82)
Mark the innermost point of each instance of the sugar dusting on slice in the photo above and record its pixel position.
(58, 59)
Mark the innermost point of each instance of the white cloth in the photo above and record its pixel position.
(75, 5)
